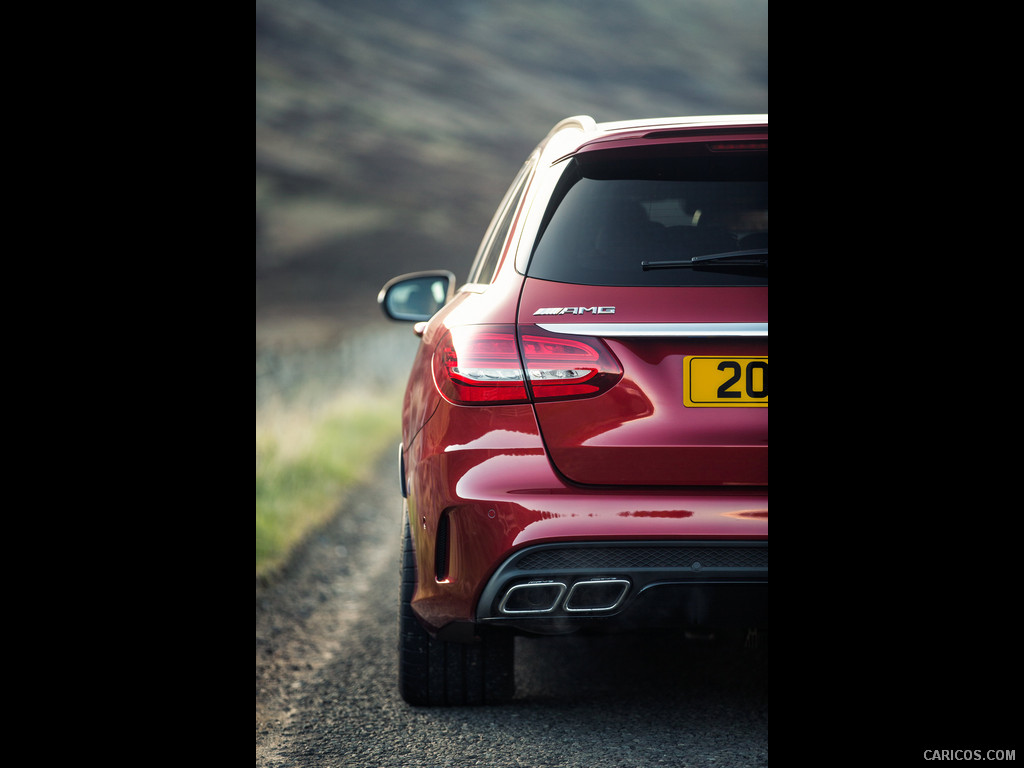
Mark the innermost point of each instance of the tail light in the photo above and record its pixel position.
(481, 365)
(560, 367)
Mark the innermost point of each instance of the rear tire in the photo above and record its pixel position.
(433, 672)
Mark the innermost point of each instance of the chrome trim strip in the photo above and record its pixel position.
(635, 330)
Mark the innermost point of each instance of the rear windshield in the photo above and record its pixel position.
(638, 220)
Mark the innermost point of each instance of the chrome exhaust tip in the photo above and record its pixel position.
(534, 597)
(596, 595)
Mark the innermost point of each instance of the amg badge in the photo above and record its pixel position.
(575, 310)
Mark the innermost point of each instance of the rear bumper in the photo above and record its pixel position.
(610, 586)
(488, 514)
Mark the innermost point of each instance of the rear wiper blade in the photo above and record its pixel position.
(733, 257)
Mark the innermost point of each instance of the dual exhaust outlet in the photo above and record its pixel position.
(541, 597)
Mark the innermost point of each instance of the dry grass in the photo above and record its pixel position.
(308, 457)
(324, 416)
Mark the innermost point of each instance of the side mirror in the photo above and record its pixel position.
(415, 297)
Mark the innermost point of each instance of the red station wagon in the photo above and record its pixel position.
(585, 427)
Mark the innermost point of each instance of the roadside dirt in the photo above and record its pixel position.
(307, 614)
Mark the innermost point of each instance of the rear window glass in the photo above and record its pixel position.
(609, 216)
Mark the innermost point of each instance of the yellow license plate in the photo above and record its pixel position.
(725, 382)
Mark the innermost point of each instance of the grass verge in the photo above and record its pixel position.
(306, 460)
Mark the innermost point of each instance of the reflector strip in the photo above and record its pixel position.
(489, 374)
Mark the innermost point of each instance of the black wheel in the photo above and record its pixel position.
(433, 672)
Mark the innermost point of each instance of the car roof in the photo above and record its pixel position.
(573, 134)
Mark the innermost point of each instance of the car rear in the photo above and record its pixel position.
(585, 430)
(643, 331)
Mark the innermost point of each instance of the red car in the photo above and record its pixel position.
(585, 427)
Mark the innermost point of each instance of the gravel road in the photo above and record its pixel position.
(326, 636)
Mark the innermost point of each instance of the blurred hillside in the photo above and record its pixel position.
(387, 130)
